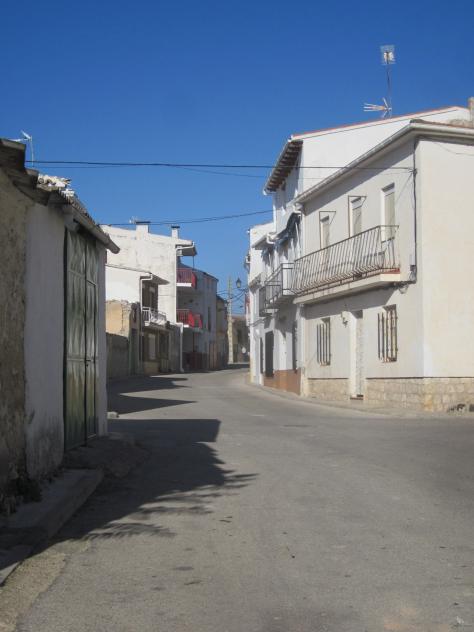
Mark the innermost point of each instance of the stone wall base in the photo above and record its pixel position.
(287, 380)
(327, 389)
(438, 394)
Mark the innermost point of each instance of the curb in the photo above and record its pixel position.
(34, 523)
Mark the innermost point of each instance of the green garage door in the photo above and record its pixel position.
(80, 380)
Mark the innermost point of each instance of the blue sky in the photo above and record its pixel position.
(211, 82)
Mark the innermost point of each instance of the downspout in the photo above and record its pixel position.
(414, 266)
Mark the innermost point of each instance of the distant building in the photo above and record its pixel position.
(197, 311)
(52, 323)
(240, 338)
(144, 331)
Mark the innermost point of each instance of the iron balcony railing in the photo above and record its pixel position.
(153, 316)
(276, 288)
(371, 252)
(188, 318)
(279, 284)
(186, 276)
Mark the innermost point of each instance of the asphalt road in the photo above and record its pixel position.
(259, 513)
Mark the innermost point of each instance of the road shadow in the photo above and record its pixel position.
(182, 475)
(121, 398)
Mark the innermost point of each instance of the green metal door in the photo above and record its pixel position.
(80, 380)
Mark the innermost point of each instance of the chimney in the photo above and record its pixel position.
(470, 105)
(175, 232)
(142, 227)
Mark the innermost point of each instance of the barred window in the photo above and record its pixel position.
(323, 342)
(388, 346)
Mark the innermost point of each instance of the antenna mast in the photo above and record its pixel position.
(388, 58)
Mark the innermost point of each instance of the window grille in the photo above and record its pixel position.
(387, 329)
(323, 342)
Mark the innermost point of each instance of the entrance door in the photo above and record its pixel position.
(357, 363)
(80, 330)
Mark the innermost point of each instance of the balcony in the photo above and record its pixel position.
(277, 289)
(189, 319)
(367, 254)
(153, 316)
(186, 278)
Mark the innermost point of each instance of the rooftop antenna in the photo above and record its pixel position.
(28, 139)
(388, 58)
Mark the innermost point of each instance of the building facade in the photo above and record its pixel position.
(197, 312)
(52, 366)
(145, 335)
(296, 342)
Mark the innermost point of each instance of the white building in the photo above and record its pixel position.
(297, 343)
(142, 298)
(197, 311)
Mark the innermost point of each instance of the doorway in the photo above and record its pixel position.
(80, 340)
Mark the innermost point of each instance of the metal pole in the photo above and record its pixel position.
(230, 331)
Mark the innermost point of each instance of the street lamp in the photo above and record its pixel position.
(238, 284)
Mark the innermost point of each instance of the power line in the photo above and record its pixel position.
(197, 220)
(185, 165)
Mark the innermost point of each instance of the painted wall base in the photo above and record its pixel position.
(287, 380)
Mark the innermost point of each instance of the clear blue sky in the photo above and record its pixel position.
(206, 81)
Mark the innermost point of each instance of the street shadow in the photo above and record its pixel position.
(120, 396)
(182, 475)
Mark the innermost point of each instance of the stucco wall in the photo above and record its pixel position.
(447, 257)
(13, 211)
(44, 340)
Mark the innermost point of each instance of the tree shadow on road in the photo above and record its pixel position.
(182, 475)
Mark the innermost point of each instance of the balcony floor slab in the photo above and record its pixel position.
(344, 289)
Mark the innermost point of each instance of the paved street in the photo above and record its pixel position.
(261, 513)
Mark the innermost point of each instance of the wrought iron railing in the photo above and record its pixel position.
(279, 283)
(153, 316)
(365, 254)
(188, 318)
(186, 276)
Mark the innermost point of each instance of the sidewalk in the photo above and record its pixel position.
(361, 407)
(84, 468)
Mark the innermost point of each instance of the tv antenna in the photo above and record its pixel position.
(388, 59)
(28, 139)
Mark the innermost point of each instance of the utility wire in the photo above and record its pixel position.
(197, 220)
(185, 165)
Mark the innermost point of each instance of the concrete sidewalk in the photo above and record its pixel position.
(34, 523)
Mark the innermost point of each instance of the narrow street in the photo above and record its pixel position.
(261, 513)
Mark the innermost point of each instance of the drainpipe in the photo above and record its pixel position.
(181, 329)
(414, 266)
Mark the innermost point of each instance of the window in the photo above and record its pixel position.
(356, 215)
(387, 329)
(324, 231)
(389, 212)
(150, 295)
(323, 342)
(262, 359)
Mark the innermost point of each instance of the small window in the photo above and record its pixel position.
(387, 329)
(389, 212)
(323, 342)
(324, 235)
(356, 215)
